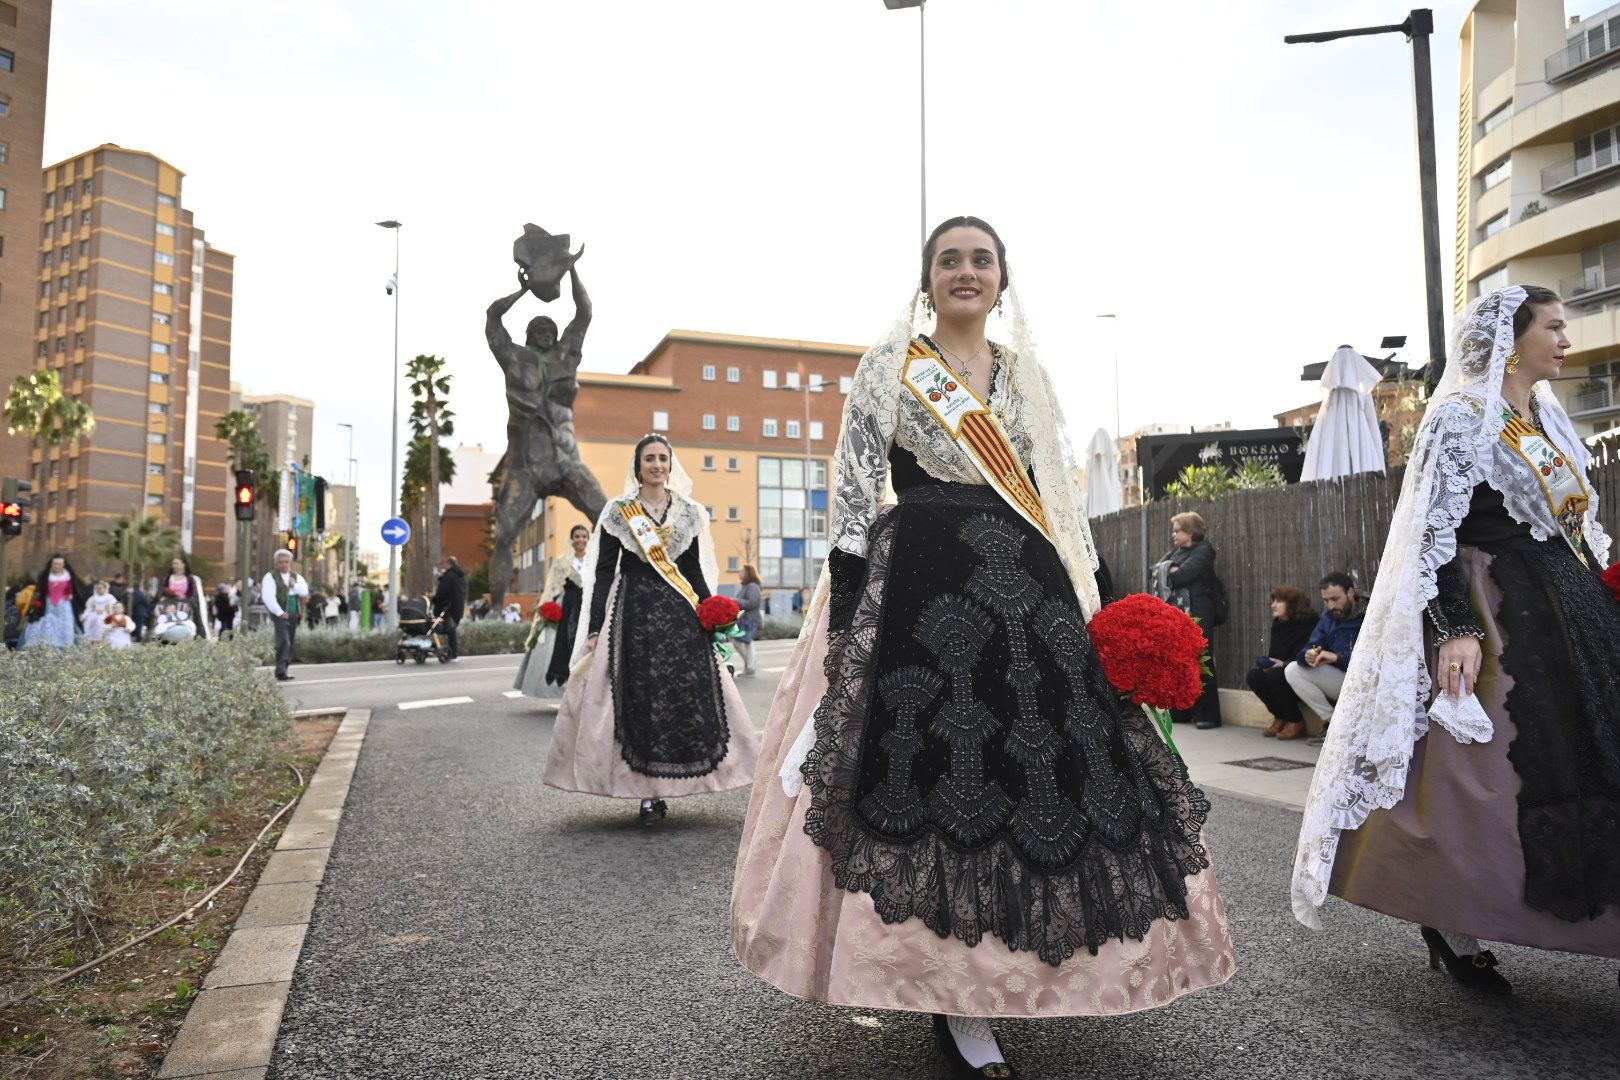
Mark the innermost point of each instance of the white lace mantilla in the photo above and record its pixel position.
(1384, 707)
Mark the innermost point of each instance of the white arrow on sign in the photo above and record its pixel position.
(396, 531)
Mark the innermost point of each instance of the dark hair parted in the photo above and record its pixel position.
(1299, 605)
(1339, 578)
(1534, 297)
(957, 223)
(586, 529)
(646, 441)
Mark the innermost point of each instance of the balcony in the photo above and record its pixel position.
(1593, 397)
(1584, 53)
(1579, 171)
(1597, 284)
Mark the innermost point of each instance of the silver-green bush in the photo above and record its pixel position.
(776, 627)
(340, 645)
(112, 758)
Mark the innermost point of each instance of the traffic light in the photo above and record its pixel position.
(14, 505)
(292, 544)
(246, 494)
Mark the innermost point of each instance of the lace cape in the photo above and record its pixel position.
(1384, 707)
(880, 411)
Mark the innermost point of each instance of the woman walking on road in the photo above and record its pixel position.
(953, 815)
(749, 598)
(1503, 823)
(652, 714)
(544, 671)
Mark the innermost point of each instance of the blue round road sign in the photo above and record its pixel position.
(396, 531)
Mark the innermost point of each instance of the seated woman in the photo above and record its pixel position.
(1292, 619)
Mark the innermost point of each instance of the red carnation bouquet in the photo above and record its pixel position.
(1611, 578)
(718, 614)
(1152, 653)
(551, 611)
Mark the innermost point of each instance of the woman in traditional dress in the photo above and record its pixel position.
(544, 671)
(653, 715)
(953, 814)
(57, 605)
(97, 606)
(187, 588)
(1505, 824)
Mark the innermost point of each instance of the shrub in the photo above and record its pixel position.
(777, 627)
(340, 645)
(111, 758)
(490, 637)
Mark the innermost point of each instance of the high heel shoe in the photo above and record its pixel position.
(959, 1067)
(1477, 971)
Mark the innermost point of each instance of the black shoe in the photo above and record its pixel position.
(647, 812)
(1205, 725)
(996, 1070)
(661, 808)
(1477, 971)
(283, 677)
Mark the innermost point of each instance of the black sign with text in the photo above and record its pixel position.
(1162, 457)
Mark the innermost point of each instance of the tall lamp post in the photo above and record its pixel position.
(348, 532)
(393, 436)
(922, 96)
(1418, 27)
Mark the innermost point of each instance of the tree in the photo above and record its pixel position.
(37, 406)
(413, 504)
(1206, 483)
(1252, 474)
(136, 543)
(431, 420)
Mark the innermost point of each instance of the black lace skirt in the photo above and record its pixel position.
(563, 648)
(972, 766)
(1563, 653)
(669, 712)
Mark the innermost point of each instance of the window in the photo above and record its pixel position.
(44, 348)
(61, 344)
(1497, 173)
(793, 429)
(733, 465)
(8, 60)
(154, 469)
(154, 500)
(660, 420)
(162, 289)
(78, 341)
(708, 373)
(770, 380)
(84, 277)
(816, 382)
(84, 219)
(733, 374)
(163, 258)
(157, 438)
(67, 194)
(50, 229)
(157, 408)
(78, 310)
(770, 429)
(710, 511)
(165, 230)
(770, 472)
(733, 423)
(733, 513)
(89, 186)
(161, 348)
(161, 318)
(792, 379)
(1496, 279)
(158, 378)
(733, 564)
(708, 463)
(816, 431)
(44, 319)
(84, 249)
(50, 196)
(165, 200)
(48, 259)
(2, 198)
(1493, 226)
(708, 421)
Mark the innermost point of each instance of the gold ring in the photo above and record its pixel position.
(1456, 666)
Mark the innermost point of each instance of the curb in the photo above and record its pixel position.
(230, 1031)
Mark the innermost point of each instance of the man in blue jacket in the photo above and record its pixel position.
(1317, 673)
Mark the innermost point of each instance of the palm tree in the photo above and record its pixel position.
(413, 503)
(431, 420)
(136, 542)
(37, 406)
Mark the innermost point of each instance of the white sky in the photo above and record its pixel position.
(750, 166)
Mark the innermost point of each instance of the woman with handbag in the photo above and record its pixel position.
(1187, 572)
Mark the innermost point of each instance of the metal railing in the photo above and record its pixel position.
(1594, 396)
(1596, 279)
(1580, 168)
(1579, 53)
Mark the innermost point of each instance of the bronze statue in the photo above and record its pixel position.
(542, 381)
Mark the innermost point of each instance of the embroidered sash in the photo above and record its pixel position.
(1562, 485)
(652, 545)
(974, 428)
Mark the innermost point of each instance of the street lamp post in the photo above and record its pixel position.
(922, 97)
(393, 436)
(1418, 27)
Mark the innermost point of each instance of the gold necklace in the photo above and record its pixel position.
(962, 369)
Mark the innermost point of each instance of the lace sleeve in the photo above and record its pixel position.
(861, 462)
(1450, 612)
(845, 573)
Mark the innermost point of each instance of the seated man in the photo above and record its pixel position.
(1317, 673)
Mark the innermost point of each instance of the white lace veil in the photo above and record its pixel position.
(680, 484)
(1383, 708)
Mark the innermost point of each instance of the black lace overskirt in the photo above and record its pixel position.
(562, 650)
(972, 767)
(669, 712)
(1563, 653)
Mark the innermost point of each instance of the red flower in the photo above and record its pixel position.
(551, 611)
(1150, 651)
(717, 612)
(1611, 578)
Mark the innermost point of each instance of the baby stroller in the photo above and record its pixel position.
(417, 624)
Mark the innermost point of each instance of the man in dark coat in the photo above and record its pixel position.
(450, 600)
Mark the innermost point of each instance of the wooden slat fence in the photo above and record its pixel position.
(1284, 536)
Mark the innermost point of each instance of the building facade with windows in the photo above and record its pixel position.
(287, 426)
(134, 309)
(753, 420)
(25, 39)
(1538, 179)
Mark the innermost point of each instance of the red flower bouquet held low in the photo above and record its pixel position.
(1152, 653)
(1611, 578)
(551, 611)
(718, 614)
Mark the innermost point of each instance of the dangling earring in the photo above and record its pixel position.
(928, 303)
(1513, 362)
(998, 305)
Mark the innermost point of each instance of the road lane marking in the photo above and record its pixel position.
(513, 693)
(399, 675)
(431, 702)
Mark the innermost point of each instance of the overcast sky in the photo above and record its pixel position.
(751, 166)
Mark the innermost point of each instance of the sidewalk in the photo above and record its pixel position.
(1240, 761)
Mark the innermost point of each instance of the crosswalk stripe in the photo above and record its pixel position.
(431, 702)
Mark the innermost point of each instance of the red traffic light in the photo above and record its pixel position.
(246, 494)
(11, 518)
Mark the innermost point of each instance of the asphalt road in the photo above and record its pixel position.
(475, 924)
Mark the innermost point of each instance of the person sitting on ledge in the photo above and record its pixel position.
(1317, 673)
